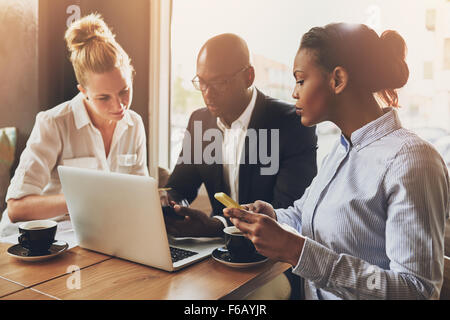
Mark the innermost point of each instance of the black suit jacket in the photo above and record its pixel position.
(297, 159)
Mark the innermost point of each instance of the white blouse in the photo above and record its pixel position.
(65, 135)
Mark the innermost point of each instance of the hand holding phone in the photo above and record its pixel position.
(167, 205)
(169, 211)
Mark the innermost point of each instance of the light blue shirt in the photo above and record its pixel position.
(374, 217)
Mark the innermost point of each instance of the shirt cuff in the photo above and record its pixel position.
(285, 217)
(315, 263)
(222, 219)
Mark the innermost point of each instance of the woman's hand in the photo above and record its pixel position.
(261, 207)
(268, 236)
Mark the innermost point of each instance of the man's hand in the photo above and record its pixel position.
(194, 224)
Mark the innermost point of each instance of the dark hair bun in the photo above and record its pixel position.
(394, 47)
(394, 42)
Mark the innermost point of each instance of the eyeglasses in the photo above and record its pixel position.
(218, 85)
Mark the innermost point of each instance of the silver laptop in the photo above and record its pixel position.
(121, 215)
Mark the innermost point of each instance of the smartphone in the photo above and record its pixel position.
(167, 206)
(226, 200)
(169, 211)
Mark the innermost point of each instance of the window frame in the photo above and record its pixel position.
(159, 85)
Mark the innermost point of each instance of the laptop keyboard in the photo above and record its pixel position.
(180, 254)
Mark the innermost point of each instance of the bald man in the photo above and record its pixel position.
(243, 143)
(246, 124)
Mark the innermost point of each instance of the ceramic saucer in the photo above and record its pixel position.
(21, 253)
(223, 256)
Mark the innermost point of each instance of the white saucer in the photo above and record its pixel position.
(223, 256)
(21, 253)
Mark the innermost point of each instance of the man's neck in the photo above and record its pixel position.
(228, 119)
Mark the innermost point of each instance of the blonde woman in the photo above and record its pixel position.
(96, 129)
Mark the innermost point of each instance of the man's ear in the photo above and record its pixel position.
(339, 79)
(250, 74)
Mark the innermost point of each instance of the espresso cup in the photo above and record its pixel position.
(239, 247)
(37, 236)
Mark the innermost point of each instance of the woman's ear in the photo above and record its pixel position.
(82, 90)
(339, 79)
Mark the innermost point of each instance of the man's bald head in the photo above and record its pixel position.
(223, 66)
(227, 50)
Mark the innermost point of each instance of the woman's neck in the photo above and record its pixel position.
(355, 112)
(103, 125)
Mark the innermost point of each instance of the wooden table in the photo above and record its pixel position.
(28, 294)
(29, 274)
(8, 287)
(105, 277)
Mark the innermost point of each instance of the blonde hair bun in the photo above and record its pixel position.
(84, 31)
(94, 49)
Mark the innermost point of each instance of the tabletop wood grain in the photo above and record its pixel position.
(120, 279)
(31, 273)
(8, 287)
(27, 294)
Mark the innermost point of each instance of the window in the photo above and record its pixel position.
(430, 19)
(428, 70)
(273, 29)
(447, 54)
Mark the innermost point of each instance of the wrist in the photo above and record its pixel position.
(295, 254)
